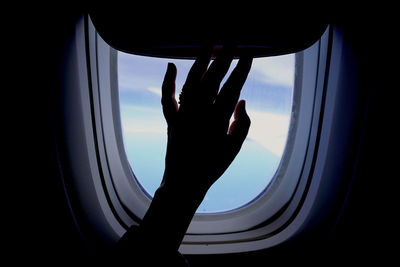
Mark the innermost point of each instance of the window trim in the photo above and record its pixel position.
(245, 223)
(116, 201)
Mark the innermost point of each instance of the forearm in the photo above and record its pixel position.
(169, 215)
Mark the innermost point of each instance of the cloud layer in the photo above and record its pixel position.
(278, 70)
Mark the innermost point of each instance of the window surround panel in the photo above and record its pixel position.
(266, 221)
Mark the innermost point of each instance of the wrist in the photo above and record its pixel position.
(170, 214)
(188, 188)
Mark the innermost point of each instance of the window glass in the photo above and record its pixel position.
(268, 93)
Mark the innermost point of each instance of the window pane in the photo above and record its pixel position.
(268, 94)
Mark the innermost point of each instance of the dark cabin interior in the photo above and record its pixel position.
(40, 228)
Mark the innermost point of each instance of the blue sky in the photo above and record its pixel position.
(268, 94)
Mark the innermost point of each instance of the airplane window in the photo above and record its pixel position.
(270, 194)
(268, 93)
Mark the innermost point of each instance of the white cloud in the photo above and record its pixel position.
(278, 70)
(153, 125)
(137, 119)
(155, 90)
(269, 130)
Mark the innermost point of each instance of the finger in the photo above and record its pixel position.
(230, 91)
(198, 68)
(216, 72)
(168, 101)
(239, 128)
(195, 74)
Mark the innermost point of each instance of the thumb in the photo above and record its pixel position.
(239, 128)
(168, 101)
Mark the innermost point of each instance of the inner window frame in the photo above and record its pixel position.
(220, 228)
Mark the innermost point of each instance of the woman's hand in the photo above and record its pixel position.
(201, 144)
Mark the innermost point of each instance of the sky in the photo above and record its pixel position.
(268, 93)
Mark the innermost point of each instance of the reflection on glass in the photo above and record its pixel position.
(268, 94)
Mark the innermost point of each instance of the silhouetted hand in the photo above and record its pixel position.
(201, 144)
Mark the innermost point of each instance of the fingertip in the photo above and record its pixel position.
(242, 104)
(240, 126)
(170, 75)
(243, 113)
(171, 68)
(240, 109)
(171, 65)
